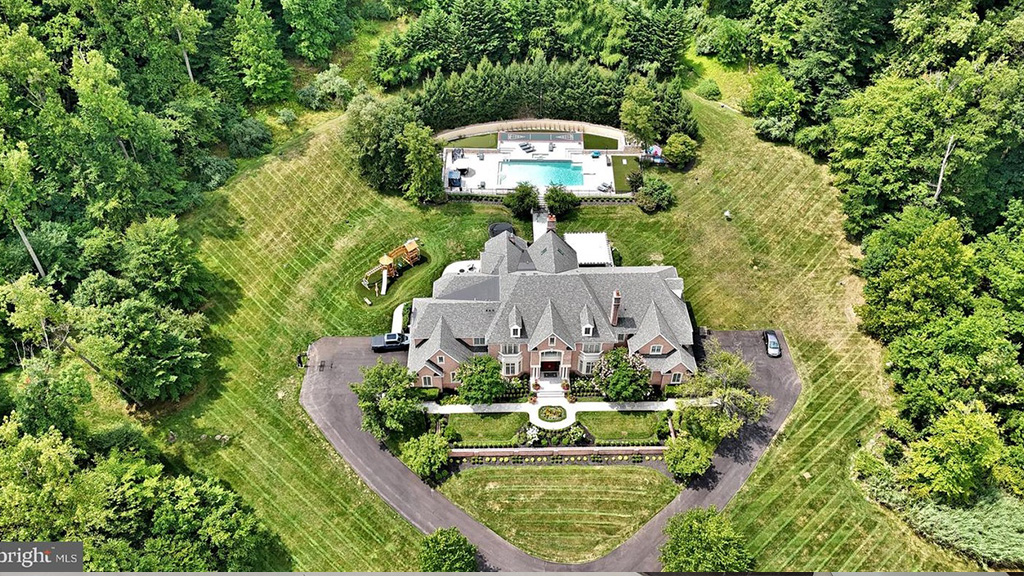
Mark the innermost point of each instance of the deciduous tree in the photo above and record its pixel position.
(447, 550)
(385, 399)
(702, 540)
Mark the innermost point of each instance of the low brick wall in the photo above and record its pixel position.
(558, 451)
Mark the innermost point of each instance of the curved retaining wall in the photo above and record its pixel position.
(536, 124)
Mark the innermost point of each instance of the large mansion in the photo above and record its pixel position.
(542, 314)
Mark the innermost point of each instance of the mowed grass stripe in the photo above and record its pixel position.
(564, 513)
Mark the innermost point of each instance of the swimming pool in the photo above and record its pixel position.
(540, 173)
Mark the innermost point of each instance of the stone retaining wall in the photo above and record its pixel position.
(558, 451)
(536, 124)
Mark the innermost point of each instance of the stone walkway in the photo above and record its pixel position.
(571, 409)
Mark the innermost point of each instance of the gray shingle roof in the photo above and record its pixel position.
(653, 325)
(551, 254)
(486, 305)
(663, 364)
(551, 324)
(441, 339)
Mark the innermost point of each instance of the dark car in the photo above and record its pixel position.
(389, 342)
(771, 343)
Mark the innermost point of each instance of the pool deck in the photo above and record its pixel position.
(485, 174)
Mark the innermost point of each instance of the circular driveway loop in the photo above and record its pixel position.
(334, 362)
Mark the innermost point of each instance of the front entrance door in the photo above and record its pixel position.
(549, 369)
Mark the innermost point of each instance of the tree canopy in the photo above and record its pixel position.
(386, 399)
(702, 540)
(447, 550)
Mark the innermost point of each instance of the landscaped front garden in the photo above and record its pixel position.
(562, 513)
(616, 427)
(484, 429)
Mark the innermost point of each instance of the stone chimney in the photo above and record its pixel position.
(613, 318)
(551, 222)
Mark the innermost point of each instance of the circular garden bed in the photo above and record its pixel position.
(551, 413)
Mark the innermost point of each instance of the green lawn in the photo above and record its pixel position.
(622, 169)
(478, 141)
(786, 223)
(476, 428)
(561, 512)
(290, 236)
(595, 142)
(733, 81)
(289, 239)
(622, 425)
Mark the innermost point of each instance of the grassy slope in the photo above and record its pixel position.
(733, 81)
(293, 233)
(487, 427)
(478, 141)
(562, 513)
(622, 425)
(290, 239)
(782, 262)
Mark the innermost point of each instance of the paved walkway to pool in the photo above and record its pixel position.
(571, 409)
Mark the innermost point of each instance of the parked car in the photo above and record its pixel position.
(389, 342)
(771, 343)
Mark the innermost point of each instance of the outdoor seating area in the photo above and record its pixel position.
(540, 158)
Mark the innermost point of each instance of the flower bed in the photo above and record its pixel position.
(551, 413)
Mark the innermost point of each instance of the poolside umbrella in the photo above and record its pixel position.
(462, 164)
(654, 150)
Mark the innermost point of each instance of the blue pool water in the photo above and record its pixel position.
(541, 173)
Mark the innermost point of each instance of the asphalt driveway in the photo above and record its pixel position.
(334, 362)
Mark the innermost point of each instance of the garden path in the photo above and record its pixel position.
(571, 409)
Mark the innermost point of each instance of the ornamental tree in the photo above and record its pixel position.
(481, 381)
(654, 194)
(386, 399)
(680, 149)
(522, 201)
(687, 456)
(447, 550)
(702, 540)
(560, 201)
(621, 376)
(426, 455)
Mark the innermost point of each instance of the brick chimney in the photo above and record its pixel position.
(613, 318)
(551, 222)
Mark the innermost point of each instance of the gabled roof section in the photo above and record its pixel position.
(441, 339)
(586, 318)
(666, 364)
(653, 325)
(514, 318)
(550, 324)
(551, 254)
(503, 253)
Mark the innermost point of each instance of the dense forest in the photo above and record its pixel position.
(116, 118)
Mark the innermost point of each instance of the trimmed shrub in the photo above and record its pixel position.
(249, 138)
(708, 89)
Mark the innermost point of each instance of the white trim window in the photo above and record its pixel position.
(677, 378)
(586, 367)
(621, 337)
(427, 381)
(656, 349)
(516, 332)
(510, 348)
(440, 359)
(592, 348)
(479, 341)
(511, 369)
(588, 330)
(551, 341)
